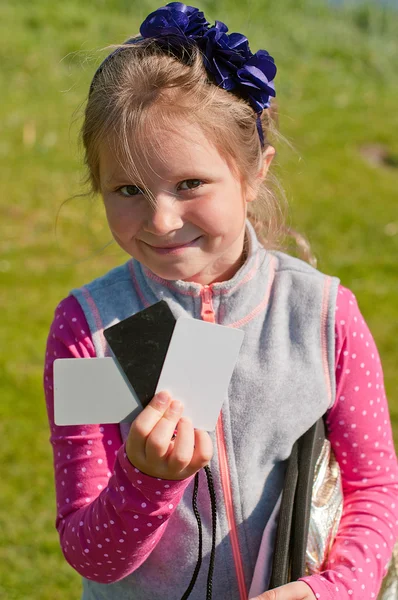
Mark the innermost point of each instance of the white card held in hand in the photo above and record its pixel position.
(92, 391)
(198, 368)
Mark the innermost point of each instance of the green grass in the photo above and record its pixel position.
(337, 82)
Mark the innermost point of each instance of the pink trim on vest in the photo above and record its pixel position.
(136, 286)
(247, 278)
(260, 307)
(97, 318)
(169, 285)
(226, 485)
(195, 293)
(324, 348)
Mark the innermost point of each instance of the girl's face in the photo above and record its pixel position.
(195, 231)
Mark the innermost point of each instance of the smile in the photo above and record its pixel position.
(176, 249)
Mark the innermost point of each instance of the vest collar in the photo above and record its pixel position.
(245, 273)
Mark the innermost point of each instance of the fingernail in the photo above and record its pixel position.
(162, 397)
(176, 406)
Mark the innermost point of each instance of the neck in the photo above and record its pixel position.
(217, 275)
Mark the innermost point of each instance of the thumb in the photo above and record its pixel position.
(297, 590)
(270, 595)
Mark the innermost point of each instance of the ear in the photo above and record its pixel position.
(268, 155)
(266, 161)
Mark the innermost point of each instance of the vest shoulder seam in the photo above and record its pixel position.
(108, 280)
(292, 264)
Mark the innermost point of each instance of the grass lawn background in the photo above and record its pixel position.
(336, 85)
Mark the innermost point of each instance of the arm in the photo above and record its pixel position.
(109, 515)
(360, 434)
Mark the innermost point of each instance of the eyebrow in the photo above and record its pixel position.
(117, 179)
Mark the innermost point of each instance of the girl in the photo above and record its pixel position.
(176, 137)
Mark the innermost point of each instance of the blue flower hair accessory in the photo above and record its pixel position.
(174, 19)
(226, 57)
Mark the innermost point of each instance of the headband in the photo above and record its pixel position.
(227, 57)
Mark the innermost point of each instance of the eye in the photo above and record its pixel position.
(191, 184)
(131, 190)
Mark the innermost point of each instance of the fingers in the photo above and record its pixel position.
(158, 441)
(183, 446)
(146, 420)
(203, 450)
(150, 447)
(298, 590)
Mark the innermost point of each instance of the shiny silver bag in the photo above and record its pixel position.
(325, 515)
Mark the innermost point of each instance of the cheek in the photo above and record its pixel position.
(220, 214)
(122, 216)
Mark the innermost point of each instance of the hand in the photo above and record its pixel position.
(150, 447)
(292, 591)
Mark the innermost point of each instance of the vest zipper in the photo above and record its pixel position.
(207, 314)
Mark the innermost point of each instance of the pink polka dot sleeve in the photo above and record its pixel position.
(360, 434)
(109, 515)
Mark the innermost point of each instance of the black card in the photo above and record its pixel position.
(140, 345)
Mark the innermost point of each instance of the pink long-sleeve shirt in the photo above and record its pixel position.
(110, 515)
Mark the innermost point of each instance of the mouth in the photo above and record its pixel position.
(173, 248)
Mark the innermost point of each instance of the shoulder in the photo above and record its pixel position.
(304, 284)
(113, 277)
(69, 315)
(286, 262)
(69, 335)
(298, 269)
(352, 332)
(348, 315)
(346, 305)
(68, 310)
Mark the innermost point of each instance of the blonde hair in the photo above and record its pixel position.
(145, 86)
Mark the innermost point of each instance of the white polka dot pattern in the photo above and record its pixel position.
(101, 496)
(360, 433)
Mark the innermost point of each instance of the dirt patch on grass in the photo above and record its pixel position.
(379, 156)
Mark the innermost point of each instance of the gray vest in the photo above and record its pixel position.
(283, 382)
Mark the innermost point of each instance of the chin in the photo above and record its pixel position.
(170, 273)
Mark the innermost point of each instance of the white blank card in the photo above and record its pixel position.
(197, 371)
(92, 391)
(198, 368)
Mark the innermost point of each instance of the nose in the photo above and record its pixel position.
(165, 216)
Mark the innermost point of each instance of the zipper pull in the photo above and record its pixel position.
(207, 312)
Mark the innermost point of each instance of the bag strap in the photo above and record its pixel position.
(310, 447)
(281, 556)
(294, 516)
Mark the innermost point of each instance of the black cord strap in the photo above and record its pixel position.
(210, 484)
(212, 493)
(198, 519)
